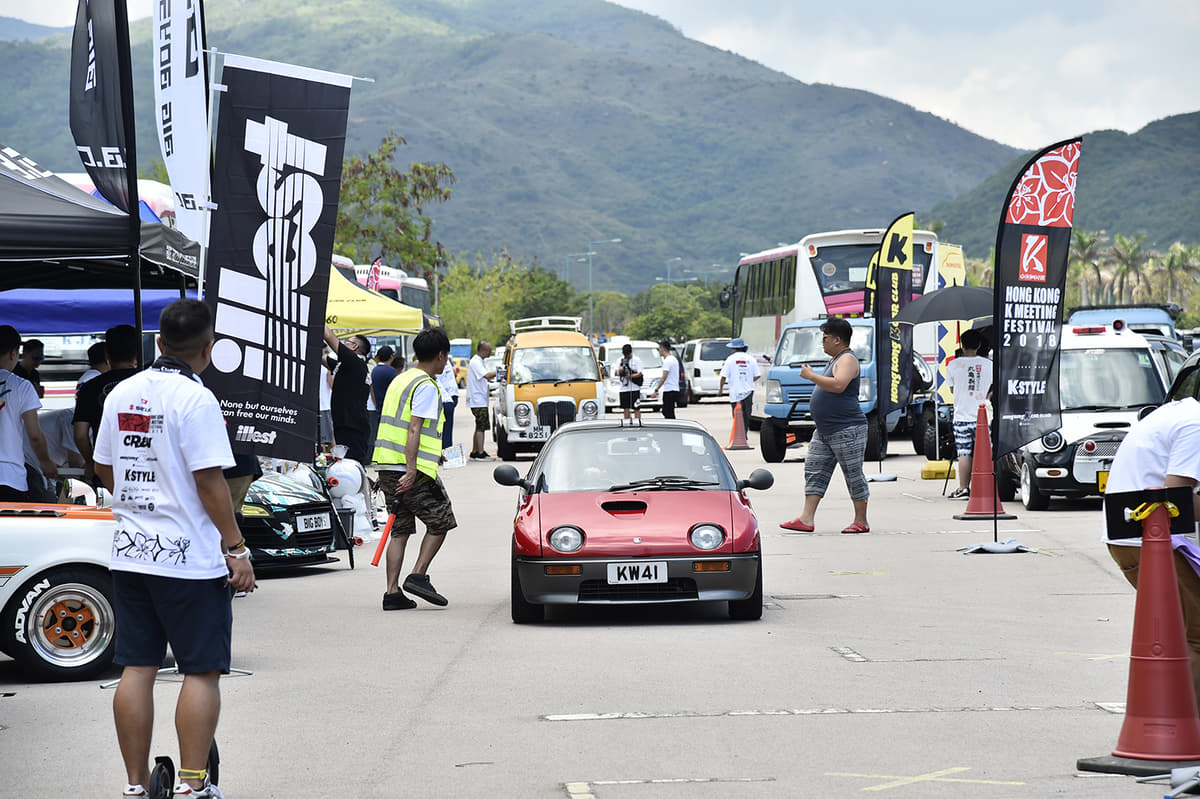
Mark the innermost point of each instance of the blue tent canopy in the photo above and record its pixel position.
(75, 312)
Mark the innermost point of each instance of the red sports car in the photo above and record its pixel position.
(616, 512)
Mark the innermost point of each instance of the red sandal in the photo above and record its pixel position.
(857, 527)
(796, 524)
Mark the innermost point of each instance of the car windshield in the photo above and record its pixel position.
(714, 350)
(628, 459)
(553, 364)
(803, 345)
(649, 356)
(1108, 378)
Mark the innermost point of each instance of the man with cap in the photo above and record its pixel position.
(740, 371)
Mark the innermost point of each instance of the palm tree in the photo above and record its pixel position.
(1087, 250)
(1128, 255)
(1180, 268)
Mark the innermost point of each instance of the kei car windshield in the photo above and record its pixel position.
(615, 458)
(1108, 378)
(554, 364)
(803, 345)
(714, 350)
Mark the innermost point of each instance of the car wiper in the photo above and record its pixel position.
(575, 380)
(1093, 408)
(665, 482)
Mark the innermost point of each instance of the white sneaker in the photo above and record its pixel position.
(209, 791)
(135, 790)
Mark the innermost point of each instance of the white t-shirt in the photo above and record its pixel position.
(477, 383)
(635, 366)
(1165, 442)
(739, 371)
(670, 380)
(158, 428)
(447, 383)
(427, 404)
(969, 377)
(326, 394)
(17, 397)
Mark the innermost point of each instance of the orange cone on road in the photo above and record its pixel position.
(1160, 703)
(737, 437)
(984, 504)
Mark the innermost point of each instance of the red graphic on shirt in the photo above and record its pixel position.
(1032, 268)
(133, 422)
(1045, 194)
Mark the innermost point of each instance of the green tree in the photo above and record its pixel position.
(381, 210)
(1087, 255)
(541, 293)
(1128, 256)
(1180, 269)
(155, 170)
(472, 300)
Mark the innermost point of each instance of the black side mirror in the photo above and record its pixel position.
(759, 479)
(507, 475)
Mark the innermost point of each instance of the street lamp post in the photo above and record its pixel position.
(669, 262)
(591, 296)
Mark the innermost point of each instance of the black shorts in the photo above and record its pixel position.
(630, 399)
(426, 500)
(194, 616)
(482, 422)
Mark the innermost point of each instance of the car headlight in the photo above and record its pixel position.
(522, 413)
(566, 539)
(774, 391)
(706, 536)
(255, 511)
(1052, 441)
(588, 409)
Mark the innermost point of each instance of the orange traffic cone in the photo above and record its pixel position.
(737, 437)
(984, 504)
(1160, 703)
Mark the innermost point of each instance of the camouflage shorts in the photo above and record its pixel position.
(426, 500)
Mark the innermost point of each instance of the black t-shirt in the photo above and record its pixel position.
(348, 399)
(32, 377)
(89, 401)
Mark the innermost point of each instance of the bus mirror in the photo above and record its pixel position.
(724, 297)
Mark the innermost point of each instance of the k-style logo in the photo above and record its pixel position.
(1034, 250)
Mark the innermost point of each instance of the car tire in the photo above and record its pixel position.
(693, 397)
(503, 448)
(523, 611)
(772, 440)
(67, 621)
(1006, 484)
(876, 438)
(947, 449)
(1031, 496)
(750, 608)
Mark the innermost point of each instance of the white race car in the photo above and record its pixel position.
(56, 613)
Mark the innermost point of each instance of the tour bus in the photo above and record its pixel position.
(393, 283)
(822, 275)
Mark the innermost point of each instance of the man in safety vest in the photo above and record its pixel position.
(408, 451)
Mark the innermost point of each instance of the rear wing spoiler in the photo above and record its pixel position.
(574, 323)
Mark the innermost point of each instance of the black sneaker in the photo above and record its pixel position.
(960, 493)
(397, 601)
(419, 585)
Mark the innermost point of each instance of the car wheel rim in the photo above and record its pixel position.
(71, 625)
(1025, 484)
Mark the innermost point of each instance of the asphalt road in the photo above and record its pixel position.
(888, 662)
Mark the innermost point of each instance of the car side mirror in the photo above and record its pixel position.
(500, 373)
(507, 475)
(605, 371)
(759, 479)
(1146, 411)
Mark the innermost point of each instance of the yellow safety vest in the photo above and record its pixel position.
(394, 420)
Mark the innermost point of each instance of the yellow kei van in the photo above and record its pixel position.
(550, 378)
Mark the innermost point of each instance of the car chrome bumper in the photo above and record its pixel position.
(591, 586)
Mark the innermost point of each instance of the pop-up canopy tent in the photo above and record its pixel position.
(45, 312)
(353, 308)
(52, 235)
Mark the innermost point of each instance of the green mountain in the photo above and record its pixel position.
(577, 121)
(1141, 183)
(13, 29)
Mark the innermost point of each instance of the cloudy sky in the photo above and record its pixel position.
(1022, 73)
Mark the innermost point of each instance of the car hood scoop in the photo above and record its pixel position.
(623, 506)
(1112, 425)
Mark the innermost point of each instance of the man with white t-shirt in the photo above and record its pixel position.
(448, 384)
(670, 380)
(160, 450)
(478, 399)
(970, 379)
(19, 406)
(740, 371)
(1163, 451)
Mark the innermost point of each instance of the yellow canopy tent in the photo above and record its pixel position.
(355, 309)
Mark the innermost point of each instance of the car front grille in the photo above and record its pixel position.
(677, 588)
(311, 538)
(1104, 449)
(555, 413)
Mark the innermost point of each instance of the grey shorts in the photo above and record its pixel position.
(426, 500)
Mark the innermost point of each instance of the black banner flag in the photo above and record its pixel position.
(1032, 247)
(102, 102)
(893, 290)
(277, 170)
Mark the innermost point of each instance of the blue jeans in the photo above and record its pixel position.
(845, 448)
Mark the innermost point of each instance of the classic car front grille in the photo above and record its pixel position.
(1104, 449)
(554, 413)
(673, 589)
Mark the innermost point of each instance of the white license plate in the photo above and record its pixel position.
(654, 571)
(539, 432)
(313, 521)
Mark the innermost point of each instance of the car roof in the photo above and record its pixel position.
(548, 338)
(1108, 338)
(634, 425)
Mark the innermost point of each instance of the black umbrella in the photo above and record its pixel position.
(948, 304)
